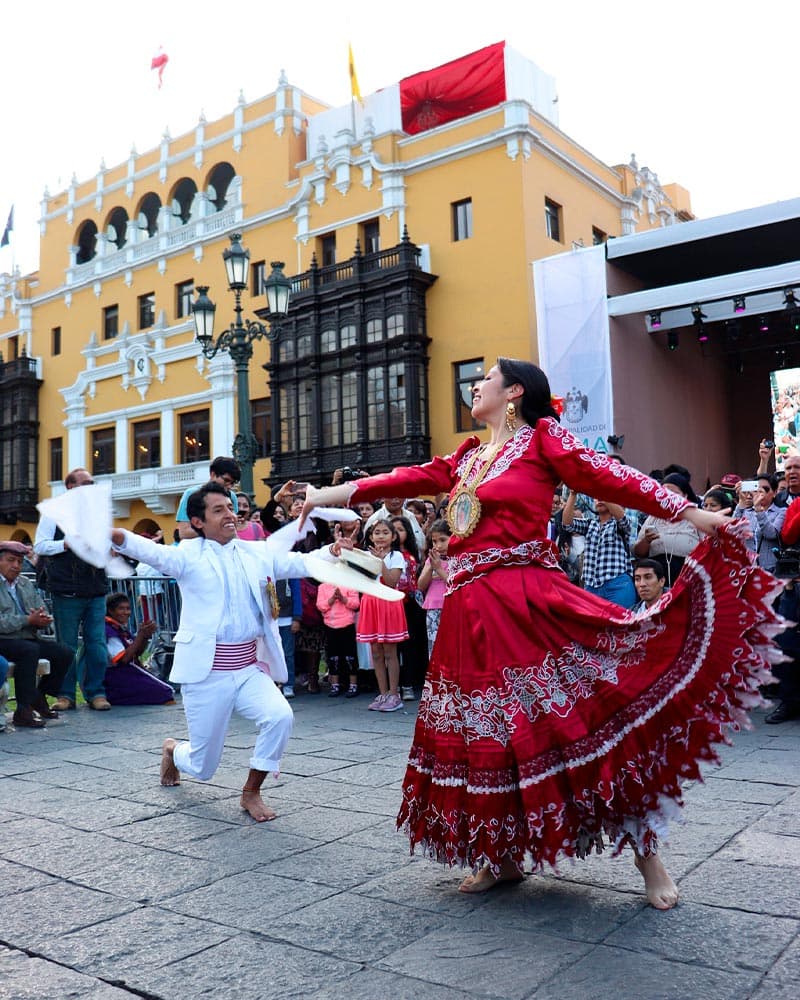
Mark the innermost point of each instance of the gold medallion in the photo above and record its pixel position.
(464, 509)
(463, 512)
(274, 603)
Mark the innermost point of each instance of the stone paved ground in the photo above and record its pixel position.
(112, 887)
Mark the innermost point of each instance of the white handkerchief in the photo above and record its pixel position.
(334, 514)
(84, 515)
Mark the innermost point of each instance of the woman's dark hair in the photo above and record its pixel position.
(680, 469)
(535, 402)
(722, 497)
(411, 541)
(269, 522)
(683, 484)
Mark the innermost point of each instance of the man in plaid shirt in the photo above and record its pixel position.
(607, 557)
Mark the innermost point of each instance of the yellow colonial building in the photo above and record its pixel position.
(408, 226)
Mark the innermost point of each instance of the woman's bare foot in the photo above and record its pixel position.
(252, 803)
(483, 880)
(662, 893)
(170, 775)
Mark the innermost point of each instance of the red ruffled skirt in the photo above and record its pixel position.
(551, 719)
(381, 621)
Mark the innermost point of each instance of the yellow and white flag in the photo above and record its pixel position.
(354, 88)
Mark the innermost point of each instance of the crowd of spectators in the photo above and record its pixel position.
(336, 640)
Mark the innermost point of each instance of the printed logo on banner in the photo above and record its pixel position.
(576, 405)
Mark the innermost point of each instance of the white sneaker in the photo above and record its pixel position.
(288, 691)
(407, 693)
(375, 706)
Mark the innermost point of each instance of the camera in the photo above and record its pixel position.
(748, 485)
(787, 565)
(769, 444)
(348, 474)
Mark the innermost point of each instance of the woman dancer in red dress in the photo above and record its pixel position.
(551, 718)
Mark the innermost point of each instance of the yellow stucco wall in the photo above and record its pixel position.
(481, 305)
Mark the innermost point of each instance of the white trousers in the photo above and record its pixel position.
(208, 705)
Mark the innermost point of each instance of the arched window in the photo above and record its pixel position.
(147, 214)
(117, 228)
(219, 180)
(181, 199)
(87, 246)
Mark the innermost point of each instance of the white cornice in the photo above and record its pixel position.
(145, 409)
(170, 161)
(523, 135)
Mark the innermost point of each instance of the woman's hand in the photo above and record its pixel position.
(707, 521)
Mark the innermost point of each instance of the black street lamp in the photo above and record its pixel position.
(238, 339)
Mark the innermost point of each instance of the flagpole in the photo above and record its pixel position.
(355, 90)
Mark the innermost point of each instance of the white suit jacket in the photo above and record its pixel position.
(196, 567)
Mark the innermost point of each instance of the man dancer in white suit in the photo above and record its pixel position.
(228, 603)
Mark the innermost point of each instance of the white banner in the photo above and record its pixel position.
(574, 348)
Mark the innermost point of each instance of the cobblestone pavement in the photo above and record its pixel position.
(112, 887)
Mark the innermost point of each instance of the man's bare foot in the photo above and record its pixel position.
(483, 880)
(252, 803)
(662, 893)
(170, 775)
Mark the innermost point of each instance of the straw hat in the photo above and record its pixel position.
(343, 573)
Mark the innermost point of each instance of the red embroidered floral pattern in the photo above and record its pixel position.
(469, 566)
(671, 503)
(513, 448)
(551, 687)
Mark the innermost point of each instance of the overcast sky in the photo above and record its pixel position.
(703, 92)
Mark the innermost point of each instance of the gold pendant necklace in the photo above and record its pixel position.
(464, 509)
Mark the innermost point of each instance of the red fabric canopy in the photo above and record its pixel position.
(454, 90)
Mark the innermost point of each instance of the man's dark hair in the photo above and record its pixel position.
(770, 478)
(614, 457)
(224, 466)
(652, 564)
(114, 600)
(196, 504)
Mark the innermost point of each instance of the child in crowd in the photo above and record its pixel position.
(414, 651)
(433, 578)
(383, 623)
(338, 607)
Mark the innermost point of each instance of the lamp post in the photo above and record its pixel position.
(238, 339)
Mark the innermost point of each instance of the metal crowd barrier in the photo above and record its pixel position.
(152, 598)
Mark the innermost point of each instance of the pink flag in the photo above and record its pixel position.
(159, 61)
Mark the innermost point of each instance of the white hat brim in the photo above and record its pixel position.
(334, 514)
(342, 575)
